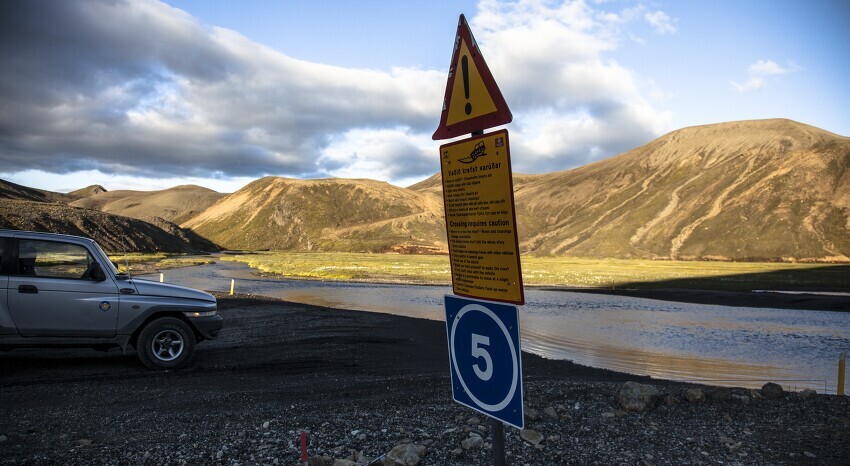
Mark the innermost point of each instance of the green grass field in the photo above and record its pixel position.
(558, 272)
(141, 262)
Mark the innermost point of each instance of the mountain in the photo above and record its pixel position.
(23, 208)
(87, 191)
(176, 204)
(9, 190)
(325, 215)
(749, 190)
(113, 232)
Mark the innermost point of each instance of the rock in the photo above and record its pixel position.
(608, 414)
(772, 391)
(531, 436)
(671, 400)
(720, 394)
(361, 437)
(84, 442)
(472, 442)
(473, 421)
(694, 395)
(809, 454)
(343, 462)
(741, 398)
(566, 417)
(405, 454)
(637, 397)
(550, 411)
(3, 438)
(266, 425)
(457, 452)
(807, 393)
(755, 394)
(531, 414)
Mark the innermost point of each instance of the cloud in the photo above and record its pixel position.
(752, 84)
(660, 22)
(760, 70)
(771, 68)
(141, 89)
(571, 105)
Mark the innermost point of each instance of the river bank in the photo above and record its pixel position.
(759, 299)
(360, 384)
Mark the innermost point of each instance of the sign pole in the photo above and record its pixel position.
(483, 245)
(497, 428)
(498, 440)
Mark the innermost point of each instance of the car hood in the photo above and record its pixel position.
(151, 288)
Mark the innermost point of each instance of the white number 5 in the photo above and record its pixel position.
(479, 352)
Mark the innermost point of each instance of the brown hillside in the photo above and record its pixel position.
(325, 215)
(750, 190)
(9, 190)
(88, 191)
(176, 204)
(114, 233)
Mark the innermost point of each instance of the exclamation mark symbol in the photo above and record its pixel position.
(464, 67)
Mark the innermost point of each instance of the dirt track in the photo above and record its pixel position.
(363, 382)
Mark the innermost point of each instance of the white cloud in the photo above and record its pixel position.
(771, 68)
(759, 71)
(752, 84)
(661, 23)
(163, 95)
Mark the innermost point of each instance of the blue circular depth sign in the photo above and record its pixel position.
(484, 350)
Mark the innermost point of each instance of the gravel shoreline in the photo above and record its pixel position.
(361, 384)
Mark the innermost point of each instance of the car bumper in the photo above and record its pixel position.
(208, 326)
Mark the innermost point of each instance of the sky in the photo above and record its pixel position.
(143, 94)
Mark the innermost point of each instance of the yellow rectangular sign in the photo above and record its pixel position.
(478, 198)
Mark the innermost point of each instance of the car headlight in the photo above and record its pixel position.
(199, 313)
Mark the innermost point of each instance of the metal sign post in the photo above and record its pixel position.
(485, 356)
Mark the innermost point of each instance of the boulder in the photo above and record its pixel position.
(807, 393)
(405, 454)
(694, 395)
(637, 397)
(720, 394)
(531, 436)
(671, 400)
(772, 391)
(472, 442)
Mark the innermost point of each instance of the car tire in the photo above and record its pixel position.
(166, 343)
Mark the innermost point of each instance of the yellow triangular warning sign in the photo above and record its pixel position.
(470, 97)
(473, 101)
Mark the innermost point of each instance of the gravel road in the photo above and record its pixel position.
(360, 384)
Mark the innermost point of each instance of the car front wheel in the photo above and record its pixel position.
(166, 343)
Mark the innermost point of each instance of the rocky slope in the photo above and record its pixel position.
(325, 215)
(113, 232)
(750, 190)
(177, 204)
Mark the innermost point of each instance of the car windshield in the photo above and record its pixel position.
(108, 263)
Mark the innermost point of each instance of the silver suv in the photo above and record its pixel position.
(60, 290)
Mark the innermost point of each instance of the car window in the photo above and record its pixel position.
(53, 259)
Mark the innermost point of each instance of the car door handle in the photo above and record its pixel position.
(127, 290)
(27, 289)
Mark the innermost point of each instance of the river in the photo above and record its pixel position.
(717, 345)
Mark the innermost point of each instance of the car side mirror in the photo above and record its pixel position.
(97, 273)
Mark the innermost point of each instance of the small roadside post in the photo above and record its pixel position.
(482, 321)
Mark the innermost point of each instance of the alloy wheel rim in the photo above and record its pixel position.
(167, 345)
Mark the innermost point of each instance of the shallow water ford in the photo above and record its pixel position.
(717, 345)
